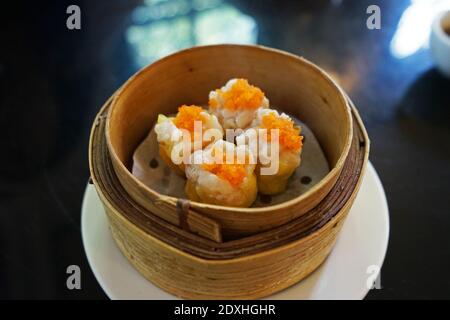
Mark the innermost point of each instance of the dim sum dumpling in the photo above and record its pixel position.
(289, 145)
(217, 182)
(169, 132)
(236, 103)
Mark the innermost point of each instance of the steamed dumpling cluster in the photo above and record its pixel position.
(237, 105)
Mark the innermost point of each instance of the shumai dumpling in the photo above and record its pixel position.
(236, 103)
(221, 182)
(289, 149)
(169, 131)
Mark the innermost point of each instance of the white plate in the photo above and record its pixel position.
(358, 254)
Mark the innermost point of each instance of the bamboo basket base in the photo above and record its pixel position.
(280, 277)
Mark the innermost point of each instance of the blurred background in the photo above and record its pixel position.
(53, 81)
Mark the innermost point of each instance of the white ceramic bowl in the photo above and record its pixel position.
(440, 42)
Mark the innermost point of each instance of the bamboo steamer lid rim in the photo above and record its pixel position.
(335, 171)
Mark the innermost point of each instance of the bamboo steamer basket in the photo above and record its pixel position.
(182, 250)
(292, 84)
(194, 267)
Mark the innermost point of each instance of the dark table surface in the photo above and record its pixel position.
(53, 81)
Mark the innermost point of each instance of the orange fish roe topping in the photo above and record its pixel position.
(240, 95)
(213, 102)
(186, 117)
(233, 173)
(289, 135)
